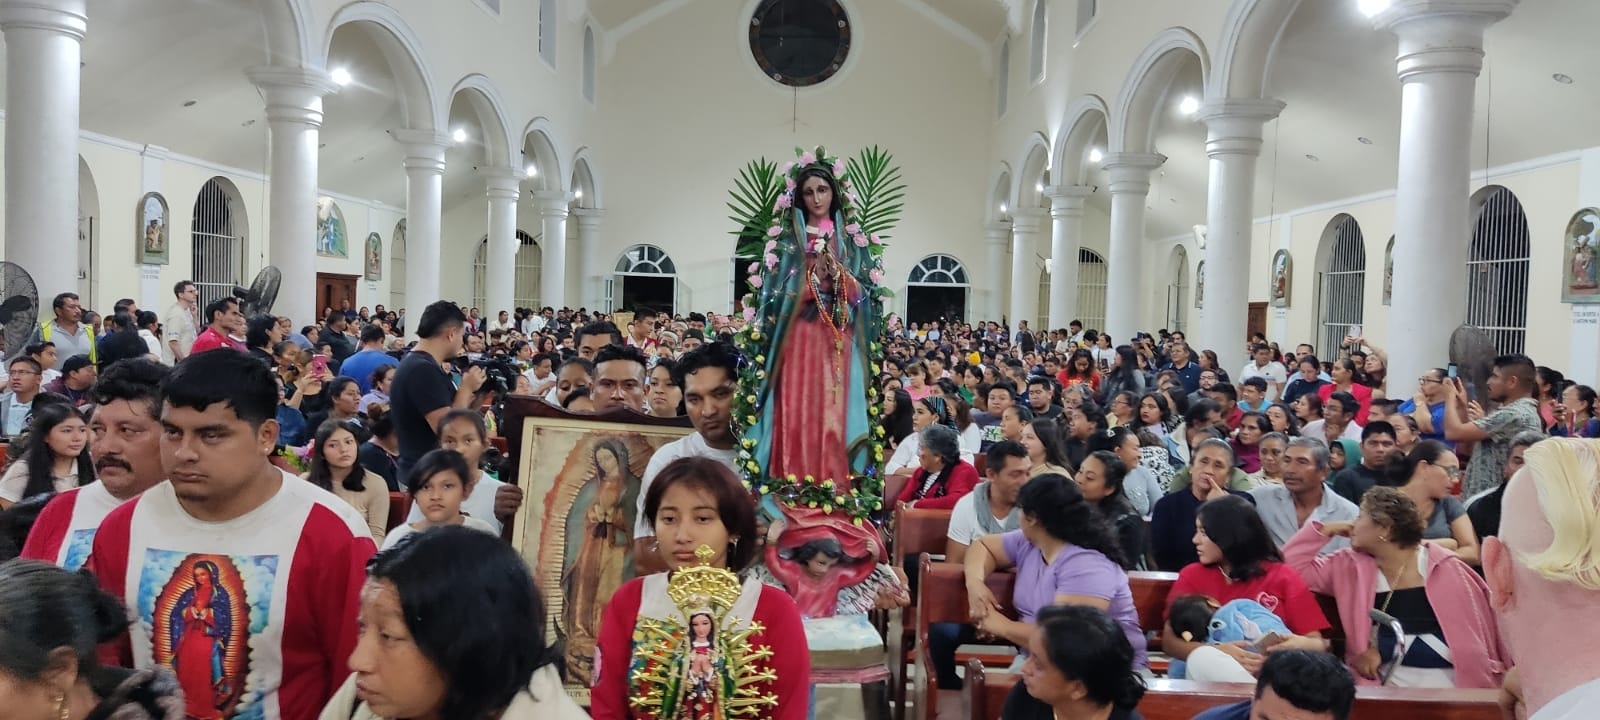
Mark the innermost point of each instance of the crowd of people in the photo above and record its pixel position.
(152, 483)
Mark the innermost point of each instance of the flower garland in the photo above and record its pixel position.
(861, 497)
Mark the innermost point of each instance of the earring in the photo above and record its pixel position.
(61, 706)
(1383, 538)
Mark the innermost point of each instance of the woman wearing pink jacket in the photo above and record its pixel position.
(1440, 602)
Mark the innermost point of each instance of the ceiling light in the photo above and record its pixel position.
(578, 193)
(1189, 105)
(341, 76)
(1313, 158)
(1364, 140)
(459, 135)
(1095, 155)
(1002, 207)
(1038, 187)
(1562, 78)
(1372, 7)
(532, 171)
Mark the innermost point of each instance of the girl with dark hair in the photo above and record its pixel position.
(1082, 424)
(380, 380)
(450, 639)
(1346, 378)
(1282, 419)
(149, 325)
(336, 467)
(381, 454)
(439, 484)
(54, 622)
(489, 500)
(896, 419)
(54, 455)
(1080, 370)
(344, 405)
(703, 518)
(1125, 375)
(1238, 561)
(1077, 647)
(1575, 414)
(931, 410)
(1247, 441)
(1100, 478)
(1065, 554)
(1428, 475)
(1048, 454)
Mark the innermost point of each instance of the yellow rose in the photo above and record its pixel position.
(761, 359)
(827, 507)
(755, 335)
(749, 419)
(825, 483)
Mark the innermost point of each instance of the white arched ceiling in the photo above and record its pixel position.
(495, 133)
(1148, 120)
(1133, 125)
(359, 155)
(1000, 199)
(289, 39)
(1083, 128)
(539, 150)
(1250, 34)
(583, 180)
(1035, 164)
(402, 53)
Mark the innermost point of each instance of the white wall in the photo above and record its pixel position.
(686, 108)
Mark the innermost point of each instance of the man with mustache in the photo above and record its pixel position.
(125, 442)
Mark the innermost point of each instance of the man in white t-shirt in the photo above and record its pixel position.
(709, 378)
(1263, 366)
(991, 507)
(1542, 579)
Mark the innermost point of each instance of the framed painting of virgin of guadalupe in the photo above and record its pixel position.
(580, 475)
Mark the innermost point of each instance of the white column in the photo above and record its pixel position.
(502, 186)
(294, 123)
(424, 163)
(1441, 52)
(553, 207)
(1025, 266)
(590, 264)
(44, 47)
(999, 240)
(1125, 291)
(1066, 215)
(1233, 142)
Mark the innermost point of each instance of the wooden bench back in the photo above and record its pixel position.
(1151, 589)
(1183, 699)
(918, 531)
(399, 508)
(942, 597)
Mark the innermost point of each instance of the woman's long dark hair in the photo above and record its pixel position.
(898, 424)
(1049, 434)
(1234, 525)
(1056, 503)
(1400, 467)
(40, 458)
(818, 171)
(1127, 365)
(1083, 644)
(481, 623)
(1116, 472)
(321, 473)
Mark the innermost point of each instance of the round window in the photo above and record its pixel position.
(799, 42)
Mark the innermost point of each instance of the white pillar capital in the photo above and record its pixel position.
(64, 17)
(1027, 220)
(553, 203)
(1067, 201)
(424, 149)
(1233, 125)
(501, 183)
(293, 94)
(1441, 35)
(1130, 172)
(999, 233)
(589, 218)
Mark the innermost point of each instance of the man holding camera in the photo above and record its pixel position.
(422, 391)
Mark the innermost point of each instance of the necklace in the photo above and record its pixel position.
(834, 327)
(1394, 585)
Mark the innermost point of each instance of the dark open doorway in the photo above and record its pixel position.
(656, 293)
(927, 303)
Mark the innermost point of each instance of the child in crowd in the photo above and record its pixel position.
(439, 484)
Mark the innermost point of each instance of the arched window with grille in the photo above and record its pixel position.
(937, 289)
(525, 289)
(1092, 281)
(218, 230)
(645, 278)
(1342, 279)
(1497, 269)
(1178, 290)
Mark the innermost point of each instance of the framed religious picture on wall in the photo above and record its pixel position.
(150, 221)
(374, 257)
(1388, 272)
(332, 238)
(580, 477)
(1581, 268)
(1282, 279)
(1200, 285)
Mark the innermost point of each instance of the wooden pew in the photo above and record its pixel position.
(942, 597)
(1151, 590)
(399, 508)
(916, 532)
(985, 694)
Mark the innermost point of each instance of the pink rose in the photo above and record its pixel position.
(788, 182)
(853, 228)
(853, 197)
(772, 261)
(861, 240)
(784, 201)
(825, 227)
(807, 157)
(774, 231)
(876, 240)
(754, 268)
(771, 245)
(755, 280)
(875, 274)
(749, 314)
(838, 167)
(787, 168)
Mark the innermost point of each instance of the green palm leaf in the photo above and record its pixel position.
(879, 184)
(751, 200)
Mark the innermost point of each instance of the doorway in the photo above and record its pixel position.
(944, 303)
(1255, 321)
(333, 290)
(655, 293)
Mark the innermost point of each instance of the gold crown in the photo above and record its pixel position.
(703, 587)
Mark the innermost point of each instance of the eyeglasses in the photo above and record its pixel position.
(1428, 379)
(1450, 472)
(25, 373)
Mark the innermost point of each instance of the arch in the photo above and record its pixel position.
(220, 237)
(397, 265)
(1133, 125)
(487, 104)
(585, 188)
(403, 53)
(1038, 41)
(938, 269)
(1498, 268)
(1035, 164)
(525, 285)
(1082, 125)
(1178, 289)
(1250, 33)
(288, 30)
(539, 150)
(588, 63)
(1000, 199)
(647, 278)
(645, 259)
(1341, 280)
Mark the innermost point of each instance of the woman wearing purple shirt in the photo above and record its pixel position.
(1064, 554)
